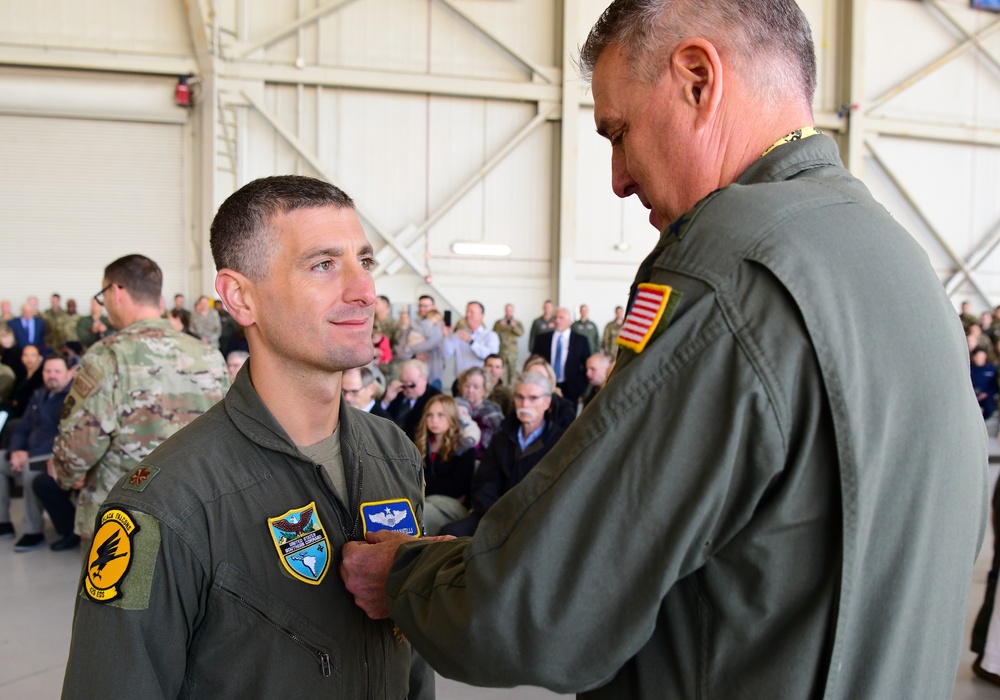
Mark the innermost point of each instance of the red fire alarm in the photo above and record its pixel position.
(183, 93)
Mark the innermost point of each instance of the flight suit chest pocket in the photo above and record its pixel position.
(261, 616)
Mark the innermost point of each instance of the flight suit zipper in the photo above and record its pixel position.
(321, 656)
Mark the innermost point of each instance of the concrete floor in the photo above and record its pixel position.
(36, 600)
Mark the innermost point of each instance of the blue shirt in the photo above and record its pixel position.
(524, 442)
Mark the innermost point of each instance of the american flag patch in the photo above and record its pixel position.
(644, 317)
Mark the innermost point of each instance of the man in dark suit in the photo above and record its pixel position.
(359, 388)
(406, 397)
(567, 352)
(28, 329)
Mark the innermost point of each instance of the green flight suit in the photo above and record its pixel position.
(212, 604)
(781, 496)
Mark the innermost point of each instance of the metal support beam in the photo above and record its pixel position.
(409, 235)
(931, 67)
(387, 81)
(981, 252)
(982, 50)
(852, 66)
(949, 251)
(318, 166)
(201, 269)
(105, 61)
(244, 50)
(544, 73)
(926, 131)
(566, 231)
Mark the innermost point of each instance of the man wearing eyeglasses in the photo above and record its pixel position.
(406, 397)
(359, 388)
(134, 389)
(523, 439)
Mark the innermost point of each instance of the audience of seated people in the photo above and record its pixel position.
(523, 439)
(28, 452)
(403, 390)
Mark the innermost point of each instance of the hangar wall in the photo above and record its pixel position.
(448, 121)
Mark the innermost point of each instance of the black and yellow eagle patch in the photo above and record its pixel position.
(110, 556)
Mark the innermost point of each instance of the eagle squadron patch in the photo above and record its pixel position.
(301, 542)
(394, 515)
(654, 303)
(110, 556)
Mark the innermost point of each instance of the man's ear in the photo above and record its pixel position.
(698, 65)
(237, 293)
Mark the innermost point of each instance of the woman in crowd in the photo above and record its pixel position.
(486, 414)
(448, 465)
(17, 402)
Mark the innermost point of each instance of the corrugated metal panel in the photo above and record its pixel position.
(76, 194)
(143, 26)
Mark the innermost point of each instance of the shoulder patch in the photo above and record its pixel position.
(110, 556)
(67, 408)
(302, 544)
(84, 384)
(396, 515)
(651, 310)
(140, 478)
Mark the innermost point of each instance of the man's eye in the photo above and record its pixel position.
(369, 263)
(325, 266)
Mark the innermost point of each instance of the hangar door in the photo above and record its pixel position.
(77, 193)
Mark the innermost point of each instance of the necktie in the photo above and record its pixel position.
(558, 358)
(29, 325)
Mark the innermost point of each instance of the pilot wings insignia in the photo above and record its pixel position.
(388, 518)
(396, 515)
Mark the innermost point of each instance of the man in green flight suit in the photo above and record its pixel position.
(775, 495)
(209, 575)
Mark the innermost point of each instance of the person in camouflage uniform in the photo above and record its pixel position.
(134, 389)
(55, 323)
(67, 325)
(509, 329)
(587, 328)
(609, 346)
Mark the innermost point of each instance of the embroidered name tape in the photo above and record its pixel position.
(396, 515)
(653, 303)
(301, 543)
(110, 556)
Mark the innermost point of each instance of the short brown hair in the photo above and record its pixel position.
(241, 238)
(139, 276)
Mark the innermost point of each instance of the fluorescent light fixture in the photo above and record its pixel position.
(496, 250)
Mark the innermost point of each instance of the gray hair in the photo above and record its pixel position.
(418, 365)
(541, 381)
(768, 42)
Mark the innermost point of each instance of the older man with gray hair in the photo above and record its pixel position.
(777, 494)
(524, 438)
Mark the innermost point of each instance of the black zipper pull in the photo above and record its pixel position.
(324, 660)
